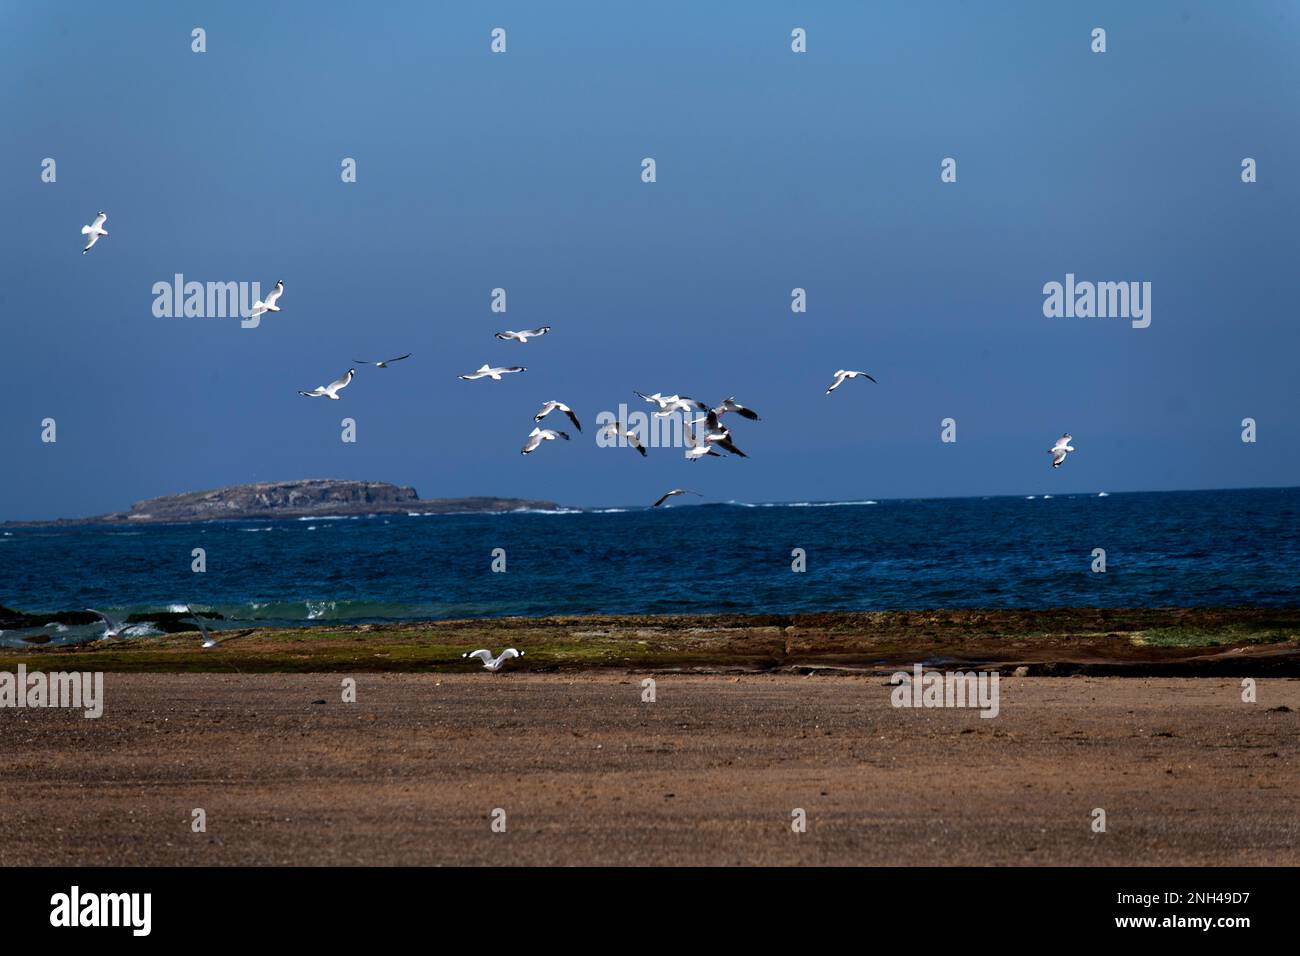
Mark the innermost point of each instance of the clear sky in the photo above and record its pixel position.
(522, 170)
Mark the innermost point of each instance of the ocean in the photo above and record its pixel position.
(1186, 549)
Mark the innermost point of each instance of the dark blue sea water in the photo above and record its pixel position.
(1162, 549)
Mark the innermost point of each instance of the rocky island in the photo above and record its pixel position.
(294, 499)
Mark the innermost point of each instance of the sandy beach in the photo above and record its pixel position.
(709, 773)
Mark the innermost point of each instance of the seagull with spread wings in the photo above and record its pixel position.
(524, 335)
(94, 231)
(616, 431)
(493, 663)
(842, 375)
(552, 406)
(385, 363)
(1061, 449)
(330, 391)
(539, 435)
(493, 373)
(675, 491)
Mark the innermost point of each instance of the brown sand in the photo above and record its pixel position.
(707, 774)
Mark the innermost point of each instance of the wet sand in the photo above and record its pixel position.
(588, 773)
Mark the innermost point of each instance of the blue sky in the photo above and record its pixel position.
(522, 171)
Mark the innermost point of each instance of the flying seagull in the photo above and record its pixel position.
(208, 639)
(539, 435)
(697, 448)
(1061, 449)
(672, 403)
(493, 663)
(94, 231)
(260, 307)
(552, 406)
(841, 375)
(385, 363)
(493, 373)
(675, 491)
(524, 335)
(112, 628)
(715, 434)
(330, 391)
(616, 430)
(731, 405)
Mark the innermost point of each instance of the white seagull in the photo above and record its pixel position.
(524, 335)
(552, 406)
(842, 374)
(731, 405)
(208, 639)
(260, 307)
(672, 403)
(94, 230)
(330, 391)
(697, 448)
(539, 435)
(493, 663)
(385, 363)
(716, 434)
(675, 491)
(616, 430)
(1061, 449)
(493, 373)
(112, 628)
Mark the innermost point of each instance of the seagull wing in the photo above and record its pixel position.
(399, 358)
(573, 418)
(337, 384)
(100, 220)
(727, 444)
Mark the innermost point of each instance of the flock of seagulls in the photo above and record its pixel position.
(700, 442)
(703, 435)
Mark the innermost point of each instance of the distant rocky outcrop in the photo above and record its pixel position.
(295, 499)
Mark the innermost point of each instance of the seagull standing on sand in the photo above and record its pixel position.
(493, 663)
(112, 628)
(330, 391)
(616, 431)
(94, 231)
(493, 373)
(552, 406)
(842, 374)
(675, 491)
(539, 435)
(385, 363)
(1061, 449)
(524, 335)
(272, 297)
